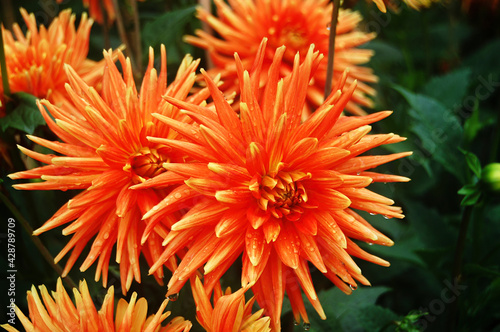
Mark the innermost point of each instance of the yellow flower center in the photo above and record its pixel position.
(282, 195)
(294, 39)
(145, 164)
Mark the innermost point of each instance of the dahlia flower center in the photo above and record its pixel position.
(282, 195)
(146, 164)
(294, 38)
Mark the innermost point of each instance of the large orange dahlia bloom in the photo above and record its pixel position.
(229, 312)
(296, 24)
(105, 152)
(57, 313)
(35, 62)
(279, 192)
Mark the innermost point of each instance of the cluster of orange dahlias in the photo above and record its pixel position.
(255, 166)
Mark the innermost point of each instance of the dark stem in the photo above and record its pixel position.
(457, 264)
(43, 250)
(137, 34)
(123, 35)
(8, 14)
(105, 27)
(331, 47)
(207, 5)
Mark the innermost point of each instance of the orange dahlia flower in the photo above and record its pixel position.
(57, 313)
(105, 152)
(229, 313)
(296, 24)
(279, 191)
(35, 62)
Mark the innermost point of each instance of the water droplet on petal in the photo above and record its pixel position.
(106, 235)
(173, 297)
(370, 244)
(386, 217)
(178, 195)
(306, 326)
(372, 214)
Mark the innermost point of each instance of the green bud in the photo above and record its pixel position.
(490, 177)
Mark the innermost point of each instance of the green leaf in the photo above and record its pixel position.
(429, 225)
(473, 163)
(473, 125)
(376, 318)
(468, 189)
(482, 271)
(168, 29)
(408, 322)
(471, 199)
(485, 61)
(449, 89)
(25, 116)
(343, 311)
(438, 128)
(385, 53)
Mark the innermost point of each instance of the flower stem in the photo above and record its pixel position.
(137, 34)
(123, 36)
(207, 5)
(3, 65)
(457, 264)
(331, 47)
(43, 250)
(105, 27)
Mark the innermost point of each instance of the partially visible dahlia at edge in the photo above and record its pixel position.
(104, 151)
(296, 24)
(56, 312)
(229, 312)
(35, 61)
(281, 194)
